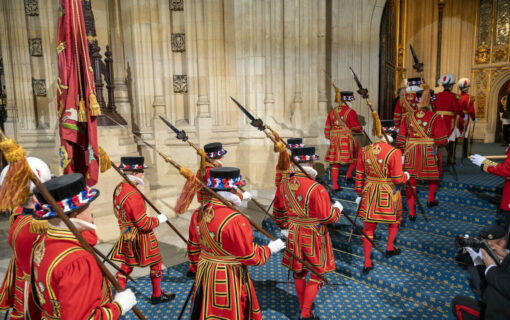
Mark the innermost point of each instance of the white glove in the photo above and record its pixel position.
(246, 195)
(126, 299)
(358, 200)
(407, 175)
(338, 205)
(477, 159)
(284, 233)
(328, 142)
(276, 245)
(403, 159)
(475, 256)
(162, 218)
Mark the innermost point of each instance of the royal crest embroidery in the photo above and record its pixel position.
(208, 214)
(376, 149)
(294, 185)
(420, 114)
(39, 251)
(409, 97)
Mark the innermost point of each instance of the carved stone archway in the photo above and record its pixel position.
(492, 115)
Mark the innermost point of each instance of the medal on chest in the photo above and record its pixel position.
(39, 251)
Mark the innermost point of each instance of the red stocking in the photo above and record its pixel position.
(410, 197)
(367, 246)
(433, 184)
(156, 274)
(392, 233)
(334, 174)
(351, 168)
(312, 288)
(300, 284)
(122, 279)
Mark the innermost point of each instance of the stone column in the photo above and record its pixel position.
(296, 115)
(48, 23)
(158, 42)
(20, 62)
(268, 97)
(122, 100)
(202, 61)
(12, 113)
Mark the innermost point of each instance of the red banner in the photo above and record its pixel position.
(77, 104)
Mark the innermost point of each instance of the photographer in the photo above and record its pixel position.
(494, 283)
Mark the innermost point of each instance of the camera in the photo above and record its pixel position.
(467, 241)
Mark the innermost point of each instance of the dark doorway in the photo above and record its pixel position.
(502, 97)
(387, 61)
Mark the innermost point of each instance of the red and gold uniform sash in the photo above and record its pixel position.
(404, 106)
(221, 246)
(137, 244)
(303, 207)
(340, 124)
(421, 133)
(378, 171)
(67, 281)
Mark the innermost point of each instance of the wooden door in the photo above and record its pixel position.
(387, 61)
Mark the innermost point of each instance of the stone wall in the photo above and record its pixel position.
(183, 60)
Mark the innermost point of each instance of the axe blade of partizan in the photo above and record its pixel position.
(415, 57)
(181, 135)
(246, 112)
(174, 129)
(360, 86)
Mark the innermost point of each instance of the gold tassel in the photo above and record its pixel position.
(425, 98)
(95, 109)
(376, 128)
(82, 111)
(38, 226)
(104, 160)
(203, 160)
(338, 98)
(188, 191)
(15, 189)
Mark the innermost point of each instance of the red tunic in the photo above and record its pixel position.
(13, 286)
(447, 106)
(378, 171)
(303, 207)
(502, 170)
(340, 124)
(220, 247)
(68, 282)
(404, 107)
(137, 244)
(467, 107)
(421, 133)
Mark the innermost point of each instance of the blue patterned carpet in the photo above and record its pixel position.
(418, 284)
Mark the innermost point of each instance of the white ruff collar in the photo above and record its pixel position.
(78, 223)
(310, 171)
(135, 179)
(229, 196)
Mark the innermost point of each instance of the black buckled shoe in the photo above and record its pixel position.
(366, 270)
(338, 189)
(395, 252)
(190, 274)
(412, 218)
(350, 180)
(431, 204)
(164, 297)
